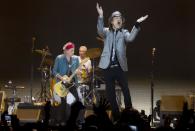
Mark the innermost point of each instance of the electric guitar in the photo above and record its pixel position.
(61, 88)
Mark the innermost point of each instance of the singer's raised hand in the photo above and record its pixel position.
(99, 10)
(141, 19)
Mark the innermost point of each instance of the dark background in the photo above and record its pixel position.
(169, 28)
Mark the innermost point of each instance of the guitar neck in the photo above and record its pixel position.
(73, 74)
(81, 64)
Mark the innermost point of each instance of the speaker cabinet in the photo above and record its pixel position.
(171, 107)
(172, 103)
(26, 113)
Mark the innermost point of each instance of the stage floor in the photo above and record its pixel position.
(139, 88)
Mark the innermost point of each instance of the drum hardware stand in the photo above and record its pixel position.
(32, 68)
(152, 85)
(93, 92)
(43, 97)
(45, 76)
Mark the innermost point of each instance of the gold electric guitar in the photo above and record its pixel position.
(62, 88)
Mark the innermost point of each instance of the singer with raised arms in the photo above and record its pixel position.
(113, 59)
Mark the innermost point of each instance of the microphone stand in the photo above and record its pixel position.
(152, 86)
(32, 69)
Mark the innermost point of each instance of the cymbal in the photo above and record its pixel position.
(94, 52)
(12, 87)
(43, 52)
(16, 99)
(43, 69)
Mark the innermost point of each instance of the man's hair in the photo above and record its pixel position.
(115, 14)
(83, 47)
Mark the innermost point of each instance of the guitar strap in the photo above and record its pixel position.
(69, 72)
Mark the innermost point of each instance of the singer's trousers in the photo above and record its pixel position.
(116, 74)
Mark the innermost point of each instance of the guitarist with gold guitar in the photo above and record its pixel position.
(64, 70)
